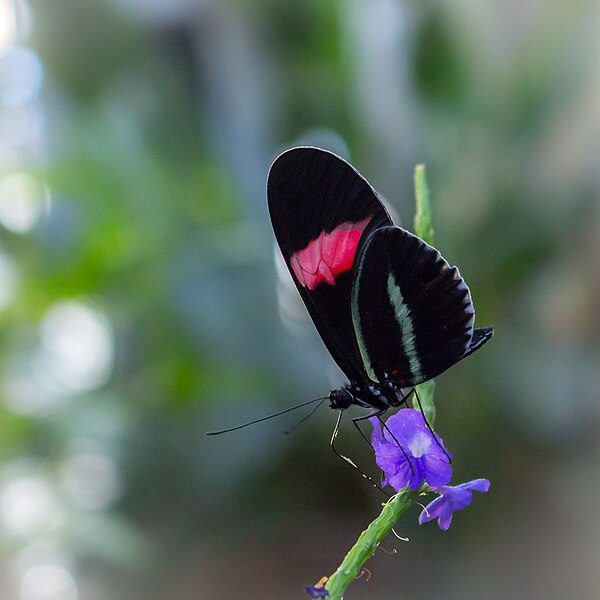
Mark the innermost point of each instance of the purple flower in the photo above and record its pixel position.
(316, 591)
(451, 498)
(407, 452)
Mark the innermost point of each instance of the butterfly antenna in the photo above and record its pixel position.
(435, 437)
(287, 410)
(306, 417)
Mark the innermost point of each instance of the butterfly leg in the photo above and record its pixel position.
(348, 460)
(435, 437)
(404, 399)
(355, 421)
(378, 414)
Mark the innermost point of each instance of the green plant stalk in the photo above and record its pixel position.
(369, 540)
(371, 537)
(423, 225)
(426, 391)
(424, 229)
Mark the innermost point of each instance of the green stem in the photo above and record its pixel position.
(423, 226)
(424, 229)
(368, 541)
(425, 391)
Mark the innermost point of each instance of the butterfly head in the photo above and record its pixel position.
(341, 399)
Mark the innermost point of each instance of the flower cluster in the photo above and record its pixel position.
(409, 455)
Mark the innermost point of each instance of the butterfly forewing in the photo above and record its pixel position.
(412, 311)
(322, 211)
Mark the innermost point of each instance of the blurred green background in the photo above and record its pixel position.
(140, 304)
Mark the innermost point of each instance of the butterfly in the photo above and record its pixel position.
(390, 309)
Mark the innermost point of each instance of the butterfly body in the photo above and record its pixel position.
(390, 309)
(380, 396)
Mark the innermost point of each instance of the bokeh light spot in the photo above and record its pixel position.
(22, 199)
(44, 551)
(28, 506)
(48, 582)
(77, 346)
(90, 478)
(21, 76)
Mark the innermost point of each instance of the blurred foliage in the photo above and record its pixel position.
(140, 305)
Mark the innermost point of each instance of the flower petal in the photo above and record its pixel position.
(316, 591)
(451, 499)
(400, 475)
(377, 438)
(439, 472)
(445, 519)
(431, 511)
(476, 485)
(408, 453)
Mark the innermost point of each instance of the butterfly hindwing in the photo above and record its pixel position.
(412, 312)
(322, 211)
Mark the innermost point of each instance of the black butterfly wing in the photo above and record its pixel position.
(322, 211)
(412, 311)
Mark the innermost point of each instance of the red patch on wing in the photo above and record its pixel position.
(329, 255)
